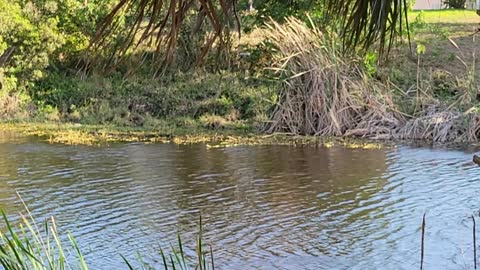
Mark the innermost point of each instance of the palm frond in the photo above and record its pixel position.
(160, 22)
(364, 22)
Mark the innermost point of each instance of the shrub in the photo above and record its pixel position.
(103, 99)
(457, 4)
(33, 41)
(325, 93)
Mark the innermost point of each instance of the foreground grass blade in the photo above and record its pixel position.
(25, 247)
(83, 263)
(130, 267)
(165, 264)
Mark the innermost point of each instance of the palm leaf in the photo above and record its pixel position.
(365, 22)
(160, 21)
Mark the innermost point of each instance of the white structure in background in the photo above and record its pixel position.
(428, 4)
(438, 4)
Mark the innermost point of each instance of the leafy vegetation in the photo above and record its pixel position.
(183, 72)
(457, 4)
(172, 65)
(29, 245)
(132, 102)
(26, 246)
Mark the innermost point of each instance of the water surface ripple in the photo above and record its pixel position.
(265, 207)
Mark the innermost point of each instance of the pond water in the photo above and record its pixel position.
(263, 207)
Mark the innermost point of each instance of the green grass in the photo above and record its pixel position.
(447, 16)
(28, 245)
(449, 57)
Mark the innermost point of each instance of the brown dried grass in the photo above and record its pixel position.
(323, 92)
(10, 105)
(442, 126)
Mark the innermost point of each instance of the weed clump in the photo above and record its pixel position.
(323, 92)
(327, 93)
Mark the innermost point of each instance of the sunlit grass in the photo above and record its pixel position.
(177, 259)
(446, 16)
(28, 245)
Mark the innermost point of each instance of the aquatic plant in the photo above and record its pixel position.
(103, 135)
(177, 258)
(24, 245)
(27, 247)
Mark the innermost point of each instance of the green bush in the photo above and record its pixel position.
(33, 40)
(49, 38)
(457, 4)
(106, 99)
(41, 38)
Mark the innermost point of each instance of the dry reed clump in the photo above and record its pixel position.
(443, 125)
(15, 106)
(10, 105)
(444, 121)
(327, 94)
(324, 93)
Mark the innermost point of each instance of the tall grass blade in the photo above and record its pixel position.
(211, 255)
(83, 263)
(423, 242)
(173, 264)
(130, 267)
(474, 244)
(199, 247)
(182, 254)
(61, 258)
(164, 259)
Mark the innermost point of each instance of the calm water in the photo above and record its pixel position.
(263, 207)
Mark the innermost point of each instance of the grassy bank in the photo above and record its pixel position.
(436, 83)
(446, 16)
(425, 94)
(287, 78)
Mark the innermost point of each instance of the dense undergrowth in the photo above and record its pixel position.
(214, 100)
(280, 77)
(49, 74)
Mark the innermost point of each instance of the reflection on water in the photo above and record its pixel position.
(263, 207)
